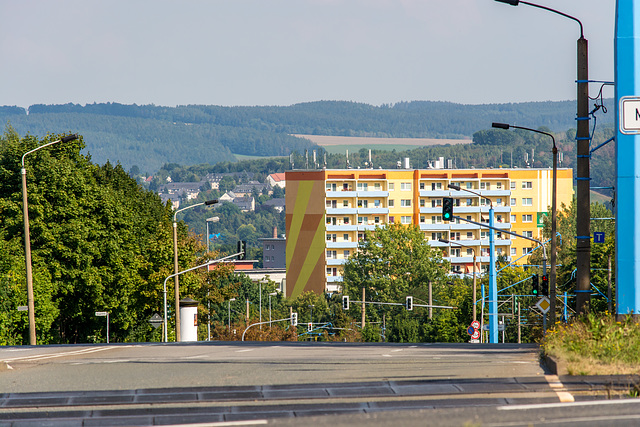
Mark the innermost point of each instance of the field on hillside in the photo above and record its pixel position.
(339, 144)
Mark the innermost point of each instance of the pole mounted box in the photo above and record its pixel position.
(409, 303)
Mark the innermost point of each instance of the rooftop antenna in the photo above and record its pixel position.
(348, 167)
(315, 161)
(325, 159)
(306, 159)
(370, 163)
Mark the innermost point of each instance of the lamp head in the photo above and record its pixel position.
(211, 202)
(454, 187)
(69, 138)
(443, 240)
(500, 125)
(511, 2)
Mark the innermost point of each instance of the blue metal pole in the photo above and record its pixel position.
(493, 285)
(627, 68)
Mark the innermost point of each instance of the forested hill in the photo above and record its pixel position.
(149, 136)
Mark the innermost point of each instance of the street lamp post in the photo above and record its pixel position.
(583, 202)
(493, 284)
(210, 220)
(175, 260)
(554, 197)
(27, 239)
(270, 295)
(474, 271)
(229, 313)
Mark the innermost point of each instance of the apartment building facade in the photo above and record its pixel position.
(328, 211)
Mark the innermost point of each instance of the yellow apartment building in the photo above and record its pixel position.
(328, 211)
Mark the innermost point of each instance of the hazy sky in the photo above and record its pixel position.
(280, 52)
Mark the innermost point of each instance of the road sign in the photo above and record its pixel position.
(155, 320)
(475, 335)
(23, 308)
(598, 237)
(475, 324)
(630, 115)
(471, 330)
(543, 304)
(101, 313)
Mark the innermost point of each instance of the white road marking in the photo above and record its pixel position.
(558, 387)
(634, 401)
(224, 424)
(60, 354)
(245, 350)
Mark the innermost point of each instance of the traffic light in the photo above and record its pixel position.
(447, 208)
(409, 303)
(545, 285)
(309, 327)
(536, 286)
(242, 249)
(345, 302)
(294, 319)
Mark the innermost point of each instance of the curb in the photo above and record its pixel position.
(554, 366)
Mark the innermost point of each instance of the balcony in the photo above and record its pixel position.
(334, 279)
(372, 193)
(341, 211)
(341, 227)
(336, 261)
(434, 227)
(340, 194)
(435, 193)
(341, 245)
(373, 211)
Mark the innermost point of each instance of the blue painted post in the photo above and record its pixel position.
(627, 79)
(493, 285)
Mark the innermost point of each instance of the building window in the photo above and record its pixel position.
(363, 186)
(392, 186)
(332, 254)
(469, 185)
(405, 219)
(345, 203)
(436, 203)
(499, 201)
(513, 185)
(498, 185)
(527, 185)
(436, 219)
(392, 219)
(514, 252)
(392, 203)
(376, 220)
(377, 203)
(513, 219)
(422, 203)
(469, 252)
(405, 203)
(469, 235)
(345, 220)
(527, 234)
(345, 237)
(527, 201)
(376, 186)
(422, 185)
(422, 219)
(525, 251)
(513, 201)
(346, 254)
(405, 186)
(331, 187)
(527, 218)
(436, 186)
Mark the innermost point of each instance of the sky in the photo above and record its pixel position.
(282, 52)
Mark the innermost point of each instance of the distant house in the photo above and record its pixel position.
(246, 204)
(189, 189)
(276, 179)
(228, 197)
(174, 198)
(274, 251)
(278, 204)
(250, 187)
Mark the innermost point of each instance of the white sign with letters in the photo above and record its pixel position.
(630, 115)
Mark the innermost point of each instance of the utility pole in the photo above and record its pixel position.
(583, 229)
(363, 308)
(430, 300)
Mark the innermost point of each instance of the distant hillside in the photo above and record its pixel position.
(149, 136)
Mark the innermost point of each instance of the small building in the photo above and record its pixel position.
(274, 251)
(277, 179)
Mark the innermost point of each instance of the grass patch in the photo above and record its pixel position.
(596, 345)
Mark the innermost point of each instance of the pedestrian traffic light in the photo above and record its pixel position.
(309, 327)
(345, 302)
(545, 285)
(447, 208)
(536, 286)
(294, 319)
(409, 303)
(242, 249)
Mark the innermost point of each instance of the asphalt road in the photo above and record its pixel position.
(299, 384)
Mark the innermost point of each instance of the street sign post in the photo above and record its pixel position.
(543, 305)
(598, 237)
(104, 314)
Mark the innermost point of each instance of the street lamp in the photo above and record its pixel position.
(229, 318)
(27, 238)
(474, 271)
(583, 202)
(175, 260)
(493, 284)
(554, 196)
(213, 219)
(271, 295)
